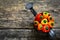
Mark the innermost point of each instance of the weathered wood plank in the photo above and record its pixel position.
(28, 34)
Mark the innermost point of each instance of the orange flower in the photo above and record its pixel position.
(51, 24)
(50, 18)
(36, 23)
(39, 27)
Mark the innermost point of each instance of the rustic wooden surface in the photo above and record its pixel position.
(25, 34)
(14, 15)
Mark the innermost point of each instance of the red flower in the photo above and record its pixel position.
(39, 17)
(46, 28)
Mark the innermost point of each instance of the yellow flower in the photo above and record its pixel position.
(45, 14)
(44, 21)
(51, 24)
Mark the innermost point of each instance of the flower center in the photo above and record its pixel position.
(46, 27)
(40, 26)
(41, 17)
(44, 21)
(45, 13)
(52, 24)
(35, 22)
(50, 18)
